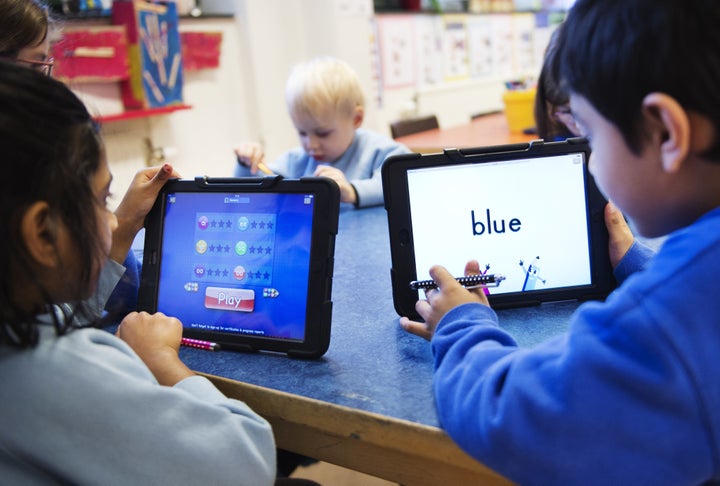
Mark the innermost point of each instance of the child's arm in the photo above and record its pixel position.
(447, 296)
(156, 340)
(347, 190)
(369, 187)
(136, 203)
(252, 156)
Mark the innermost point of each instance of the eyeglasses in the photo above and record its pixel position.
(45, 67)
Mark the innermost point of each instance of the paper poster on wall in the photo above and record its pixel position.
(353, 8)
(545, 25)
(524, 60)
(155, 55)
(396, 50)
(502, 34)
(480, 47)
(200, 50)
(527, 5)
(375, 64)
(92, 54)
(557, 4)
(430, 50)
(456, 48)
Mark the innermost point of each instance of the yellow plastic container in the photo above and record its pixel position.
(519, 109)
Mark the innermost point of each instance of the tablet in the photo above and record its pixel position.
(245, 263)
(529, 213)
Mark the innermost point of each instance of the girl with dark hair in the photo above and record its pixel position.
(81, 406)
(26, 32)
(553, 117)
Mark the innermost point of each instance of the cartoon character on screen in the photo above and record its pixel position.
(531, 274)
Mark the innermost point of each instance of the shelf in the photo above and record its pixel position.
(133, 114)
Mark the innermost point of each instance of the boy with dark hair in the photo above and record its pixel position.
(631, 394)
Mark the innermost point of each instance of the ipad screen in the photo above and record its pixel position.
(526, 219)
(237, 263)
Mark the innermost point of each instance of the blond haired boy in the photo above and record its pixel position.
(327, 106)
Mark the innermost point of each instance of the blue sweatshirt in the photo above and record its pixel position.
(629, 395)
(360, 163)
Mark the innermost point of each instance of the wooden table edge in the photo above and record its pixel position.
(393, 449)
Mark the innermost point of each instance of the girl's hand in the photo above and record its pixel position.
(156, 340)
(135, 205)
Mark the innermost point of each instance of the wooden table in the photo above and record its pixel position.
(367, 404)
(482, 131)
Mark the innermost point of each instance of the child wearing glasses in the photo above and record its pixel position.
(26, 33)
(630, 394)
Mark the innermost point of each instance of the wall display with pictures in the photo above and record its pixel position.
(429, 50)
(429, 43)
(156, 76)
(480, 50)
(397, 50)
(456, 47)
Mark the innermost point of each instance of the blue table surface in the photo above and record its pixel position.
(372, 364)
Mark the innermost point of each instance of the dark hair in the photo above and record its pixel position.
(616, 52)
(51, 148)
(550, 94)
(23, 23)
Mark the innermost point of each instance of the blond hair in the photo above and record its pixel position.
(322, 83)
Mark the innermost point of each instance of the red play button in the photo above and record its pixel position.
(239, 300)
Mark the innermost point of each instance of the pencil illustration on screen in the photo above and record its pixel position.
(532, 274)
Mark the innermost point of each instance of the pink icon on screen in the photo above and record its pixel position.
(203, 222)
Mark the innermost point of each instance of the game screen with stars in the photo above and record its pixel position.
(237, 263)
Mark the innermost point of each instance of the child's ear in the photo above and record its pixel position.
(668, 123)
(358, 116)
(39, 232)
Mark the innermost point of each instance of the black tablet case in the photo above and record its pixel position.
(326, 199)
(402, 238)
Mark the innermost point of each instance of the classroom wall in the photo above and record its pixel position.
(199, 141)
(243, 98)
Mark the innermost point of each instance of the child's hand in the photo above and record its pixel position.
(135, 205)
(251, 155)
(156, 340)
(347, 191)
(621, 238)
(447, 296)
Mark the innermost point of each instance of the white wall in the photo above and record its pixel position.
(243, 99)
